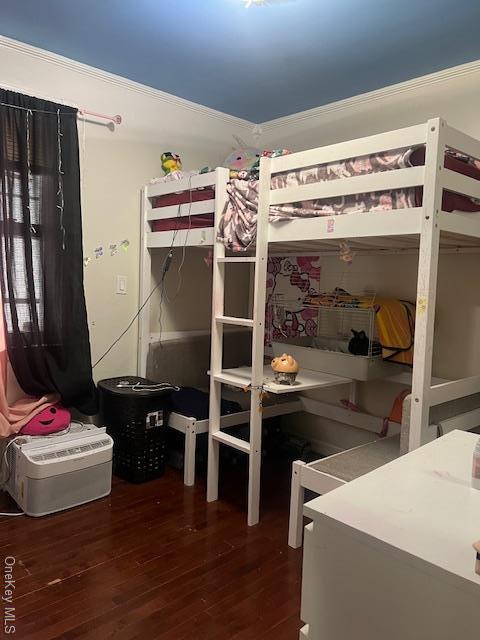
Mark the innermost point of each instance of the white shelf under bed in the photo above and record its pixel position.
(305, 381)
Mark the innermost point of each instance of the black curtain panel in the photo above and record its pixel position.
(41, 250)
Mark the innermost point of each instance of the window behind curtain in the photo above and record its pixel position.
(41, 250)
(20, 268)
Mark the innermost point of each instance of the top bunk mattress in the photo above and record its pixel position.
(237, 227)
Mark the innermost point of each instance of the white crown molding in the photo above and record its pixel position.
(119, 81)
(451, 73)
(414, 84)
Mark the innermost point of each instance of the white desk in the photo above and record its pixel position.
(306, 380)
(389, 556)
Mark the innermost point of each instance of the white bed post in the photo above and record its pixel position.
(427, 283)
(216, 353)
(258, 342)
(189, 455)
(295, 525)
(144, 287)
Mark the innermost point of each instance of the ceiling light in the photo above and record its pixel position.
(261, 3)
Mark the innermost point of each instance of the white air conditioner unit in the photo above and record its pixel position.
(49, 474)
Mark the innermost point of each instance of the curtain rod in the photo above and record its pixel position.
(80, 112)
(116, 119)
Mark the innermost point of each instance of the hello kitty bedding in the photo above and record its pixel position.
(237, 229)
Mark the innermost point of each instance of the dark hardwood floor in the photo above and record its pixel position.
(156, 561)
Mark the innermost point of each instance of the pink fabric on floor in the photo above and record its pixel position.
(16, 408)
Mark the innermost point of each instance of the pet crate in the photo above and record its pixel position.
(135, 412)
(345, 340)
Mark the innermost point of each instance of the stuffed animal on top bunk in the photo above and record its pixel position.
(241, 161)
(244, 163)
(170, 162)
(268, 153)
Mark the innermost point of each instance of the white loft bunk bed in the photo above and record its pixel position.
(427, 228)
(156, 205)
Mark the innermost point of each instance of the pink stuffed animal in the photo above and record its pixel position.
(241, 161)
(50, 420)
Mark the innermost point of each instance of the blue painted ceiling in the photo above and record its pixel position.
(258, 63)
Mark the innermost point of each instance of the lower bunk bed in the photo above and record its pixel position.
(326, 474)
(192, 427)
(188, 360)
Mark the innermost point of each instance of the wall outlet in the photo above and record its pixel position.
(121, 285)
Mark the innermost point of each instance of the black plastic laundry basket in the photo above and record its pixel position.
(135, 412)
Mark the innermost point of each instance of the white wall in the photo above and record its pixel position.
(115, 164)
(455, 96)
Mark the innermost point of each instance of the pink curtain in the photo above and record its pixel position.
(16, 408)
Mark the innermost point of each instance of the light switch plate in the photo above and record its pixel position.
(121, 285)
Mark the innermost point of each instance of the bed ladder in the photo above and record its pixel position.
(216, 436)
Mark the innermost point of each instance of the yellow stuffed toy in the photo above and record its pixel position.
(171, 162)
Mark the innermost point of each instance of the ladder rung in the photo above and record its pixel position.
(241, 259)
(239, 322)
(231, 441)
